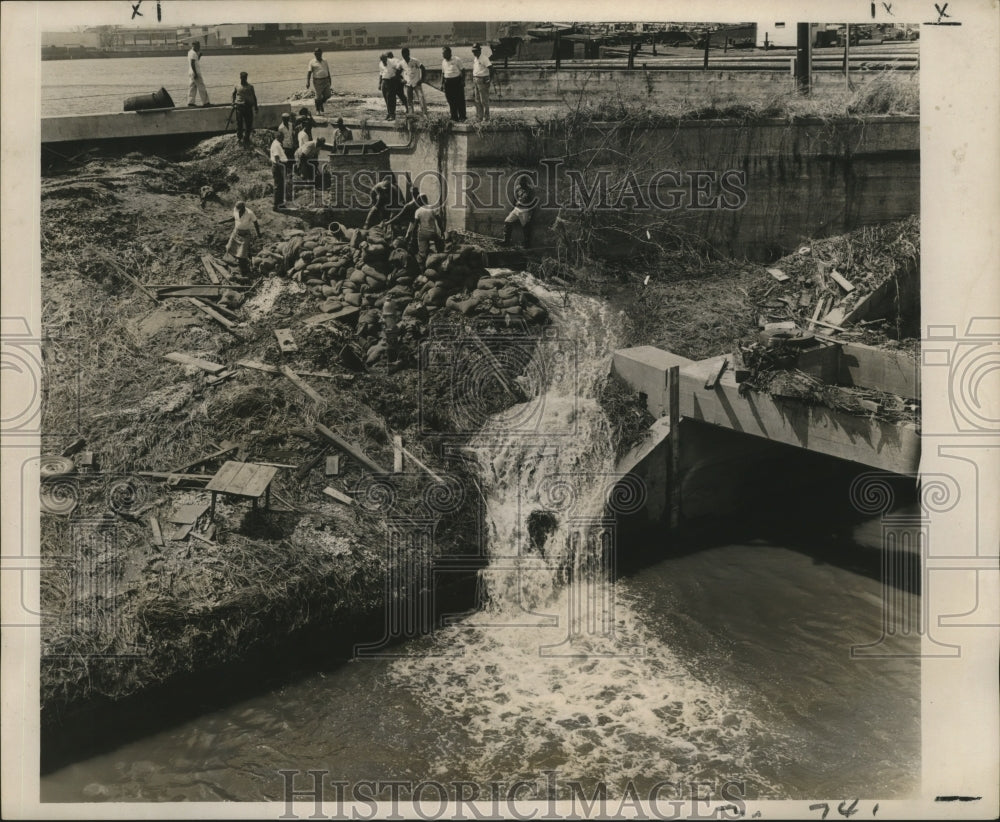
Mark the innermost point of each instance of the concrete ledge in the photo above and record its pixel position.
(890, 446)
(645, 369)
(160, 123)
(893, 371)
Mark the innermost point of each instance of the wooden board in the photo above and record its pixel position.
(333, 465)
(213, 275)
(397, 454)
(337, 495)
(778, 274)
(154, 525)
(242, 479)
(188, 513)
(215, 315)
(303, 386)
(842, 281)
(185, 359)
(192, 291)
(286, 342)
(352, 450)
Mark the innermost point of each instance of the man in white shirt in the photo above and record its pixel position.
(390, 82)
(278, 168)
(454, 84)
(196, 83)
(319, 72)
(240, 240)
(482, 74)
(413, 77)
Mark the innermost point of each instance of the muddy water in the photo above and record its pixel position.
(728, 663)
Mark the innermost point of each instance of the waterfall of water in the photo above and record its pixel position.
(556, 670)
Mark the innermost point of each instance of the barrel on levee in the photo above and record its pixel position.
(145, 102)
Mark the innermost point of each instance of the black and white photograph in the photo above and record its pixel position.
(586, 416)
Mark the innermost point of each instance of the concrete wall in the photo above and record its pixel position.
(788, 181)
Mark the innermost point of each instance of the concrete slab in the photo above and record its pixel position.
(893, 371)
(645, 369)
(890, 446)
(159, 123)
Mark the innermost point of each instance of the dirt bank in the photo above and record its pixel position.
(149, 587)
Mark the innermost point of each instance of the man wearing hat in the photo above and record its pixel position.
(319, 73)
(245, 104)
(341, 134)
(482, 74)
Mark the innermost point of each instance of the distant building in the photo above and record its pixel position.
(71, 39)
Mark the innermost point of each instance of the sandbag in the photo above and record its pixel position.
(328, 306)
(352, 298)
(491, 282)
(535, 313)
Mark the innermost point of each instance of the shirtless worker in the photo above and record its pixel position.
(319, 73)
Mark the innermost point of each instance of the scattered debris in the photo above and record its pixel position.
(332, 465)
(351, 449)
(286, 342)
(204, 365)
(778, 274)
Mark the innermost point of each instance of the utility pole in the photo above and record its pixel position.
(803, 58)
(708, 42)
(847, 57)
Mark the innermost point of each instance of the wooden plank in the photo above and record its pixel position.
(154, 525)
(73, 447)
(181, 531)
(214, 291)
(244, 479)
(202, 538)
(286, 342)
(816, 311)
(778, 274)
(306, 467)
(333, 465)
(674, 415)
(841, 281)
(424, 467)
(226, 448)
(213, 275)
(228, 324)
(188, 513)
(222, 376)
(337, 495)
(303, 386)
(397, 454)
(185, 359)
(222, 268)
(352, 450)
(167, 475)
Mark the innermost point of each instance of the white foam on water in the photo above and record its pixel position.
(557, 671)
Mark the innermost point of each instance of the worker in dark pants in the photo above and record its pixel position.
(245, 103)
(279, 169)
(453, 77)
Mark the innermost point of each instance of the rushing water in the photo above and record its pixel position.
(97, 86)
(728, 663)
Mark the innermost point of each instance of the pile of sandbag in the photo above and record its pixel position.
(368, 270)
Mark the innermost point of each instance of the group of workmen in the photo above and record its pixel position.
(399, 80)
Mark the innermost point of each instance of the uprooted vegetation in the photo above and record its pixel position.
(148, 586)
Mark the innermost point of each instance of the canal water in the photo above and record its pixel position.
(101, 86)
(715, 663)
